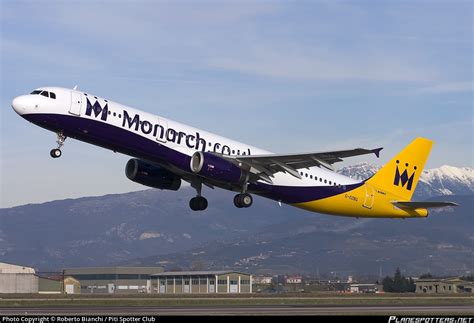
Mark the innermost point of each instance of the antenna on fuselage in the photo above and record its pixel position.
(75, 87)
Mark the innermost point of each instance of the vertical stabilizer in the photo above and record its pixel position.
(401, 174)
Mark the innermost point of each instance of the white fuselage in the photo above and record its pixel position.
(157, 130)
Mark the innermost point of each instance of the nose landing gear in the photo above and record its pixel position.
(56, 152)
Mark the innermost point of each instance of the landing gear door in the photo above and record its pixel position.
(161, 130)
(76, 103)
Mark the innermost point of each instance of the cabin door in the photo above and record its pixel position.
(369, 196)
(76, 103)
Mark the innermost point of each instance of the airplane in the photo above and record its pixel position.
(166, 152)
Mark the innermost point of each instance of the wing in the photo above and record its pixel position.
(264, 166)
(423, 205)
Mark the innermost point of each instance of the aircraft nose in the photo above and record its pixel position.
(19, 104)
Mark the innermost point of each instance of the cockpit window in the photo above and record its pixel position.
(45, 93)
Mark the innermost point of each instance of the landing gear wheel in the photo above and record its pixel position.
(198, 203)
(243, 200)
(192, 204)
(55, 153)
(236, 201)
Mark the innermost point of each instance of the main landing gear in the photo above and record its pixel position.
(198, 203)
(243, 200)
(56, 152)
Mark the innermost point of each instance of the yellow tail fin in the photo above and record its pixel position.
(400, 175)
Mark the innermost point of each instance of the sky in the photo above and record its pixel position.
(286, 76)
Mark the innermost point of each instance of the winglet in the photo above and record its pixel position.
(377, 151)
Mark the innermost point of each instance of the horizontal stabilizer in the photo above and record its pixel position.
(423, 205)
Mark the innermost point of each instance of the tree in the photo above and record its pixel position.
(411, 286)
(387, 283)
(398, 284)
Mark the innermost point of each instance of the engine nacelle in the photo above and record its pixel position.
(151, 175)
(214, 167)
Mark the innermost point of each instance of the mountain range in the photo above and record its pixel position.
(445, 180)
(154, 227)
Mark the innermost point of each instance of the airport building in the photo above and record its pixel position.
(294, 280)
(110, 280)
(263, 280)
(201, 282)
(50, 285)
(17, 279)
(443, 286)
(364, 288)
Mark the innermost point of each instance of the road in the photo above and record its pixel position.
(241, 310)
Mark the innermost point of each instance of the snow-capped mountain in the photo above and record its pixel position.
(445, 180)
(359, 171)
(449, 180)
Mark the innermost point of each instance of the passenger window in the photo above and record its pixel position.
(325, 181)
(52, 95)
(45, 93)
(311, 176)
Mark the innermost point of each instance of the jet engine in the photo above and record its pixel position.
(151, 175)
(214, 167)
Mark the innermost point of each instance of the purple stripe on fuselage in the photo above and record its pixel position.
(127, 142)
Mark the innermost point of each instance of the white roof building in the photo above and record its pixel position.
(17, 279)
(15, 269)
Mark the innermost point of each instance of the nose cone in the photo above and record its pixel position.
(19, 104)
